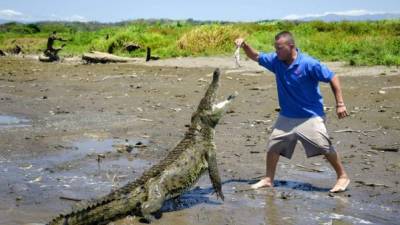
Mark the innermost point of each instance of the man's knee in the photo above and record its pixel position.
(332, 153)
(273, 154)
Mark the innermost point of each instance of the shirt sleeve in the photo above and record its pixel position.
(322, 73)
(266, 60)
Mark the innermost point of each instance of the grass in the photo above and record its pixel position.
(358, 43)
(209, 39)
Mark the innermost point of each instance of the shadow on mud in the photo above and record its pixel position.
(195, 197)
(295, 185)
(200, 195)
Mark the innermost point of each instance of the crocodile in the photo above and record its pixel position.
(194, 155)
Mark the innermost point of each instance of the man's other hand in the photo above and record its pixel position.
(341, 111)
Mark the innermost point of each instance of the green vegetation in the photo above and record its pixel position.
(357, 43)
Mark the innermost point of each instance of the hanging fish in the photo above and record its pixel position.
(237, 56)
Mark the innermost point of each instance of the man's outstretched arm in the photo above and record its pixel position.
(250, 52)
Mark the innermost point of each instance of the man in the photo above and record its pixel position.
(301, 117)
(50, 51)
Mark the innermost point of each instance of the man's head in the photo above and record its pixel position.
(284, 45)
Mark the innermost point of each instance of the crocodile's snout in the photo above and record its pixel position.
(216, 74)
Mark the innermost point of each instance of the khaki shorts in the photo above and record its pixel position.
(311, 132)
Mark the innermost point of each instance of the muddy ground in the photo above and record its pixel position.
(56, 118)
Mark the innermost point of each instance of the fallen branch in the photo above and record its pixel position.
(364, 132)
(392, 87)
(102, 57)
(309, 169)
(254, 152)
(370, 184)
(386, 148)
(118, 76)
(70, 198)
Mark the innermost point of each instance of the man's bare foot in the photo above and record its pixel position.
(341, 185)
(266, 182)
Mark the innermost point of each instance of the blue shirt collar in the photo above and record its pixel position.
(296, 62)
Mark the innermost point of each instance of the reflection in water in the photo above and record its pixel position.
(36, 186)
(7, 121)
(271, 212)
(342, 204)
(274, 213)
(287, 203)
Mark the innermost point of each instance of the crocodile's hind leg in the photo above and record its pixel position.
(154, 202)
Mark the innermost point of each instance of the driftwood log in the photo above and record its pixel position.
(131, 47)
(102, 57)
(16, 50)
(44, 58)
(2, 53)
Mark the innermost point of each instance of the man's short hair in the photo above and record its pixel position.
(287, 35)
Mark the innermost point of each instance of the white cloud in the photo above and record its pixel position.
(10, 14)
(356, 12)
(77, 18)
(68, 18)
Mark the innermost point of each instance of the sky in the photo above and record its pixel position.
(226, 10)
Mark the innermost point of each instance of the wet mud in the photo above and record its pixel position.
(70, 132)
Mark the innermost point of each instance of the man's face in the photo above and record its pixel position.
(283, 49)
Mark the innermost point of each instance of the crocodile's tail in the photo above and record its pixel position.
(101, 211)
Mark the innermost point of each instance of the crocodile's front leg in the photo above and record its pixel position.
(217, 111)
(213, 170)
(155, 200)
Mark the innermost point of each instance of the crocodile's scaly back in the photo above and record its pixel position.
(177, 172)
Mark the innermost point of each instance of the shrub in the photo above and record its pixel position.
(209, 39)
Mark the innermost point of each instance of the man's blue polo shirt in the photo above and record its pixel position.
(298, 90)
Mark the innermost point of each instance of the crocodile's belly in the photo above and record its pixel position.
(184, 173)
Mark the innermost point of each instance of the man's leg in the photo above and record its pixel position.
(282, 141)
(315, 139)
(268, 181)
(342, 179)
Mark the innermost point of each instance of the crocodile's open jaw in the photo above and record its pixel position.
(208, 110)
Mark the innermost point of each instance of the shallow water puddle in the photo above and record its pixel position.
(53, 182)
(72, 173)
(7, 121)
(289, 202)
